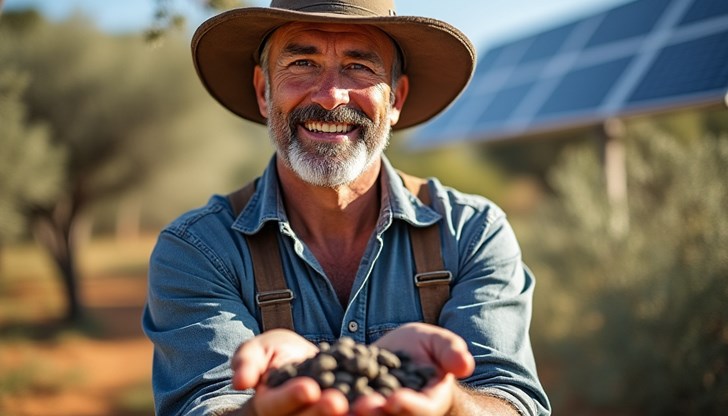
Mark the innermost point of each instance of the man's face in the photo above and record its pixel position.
(328, 99)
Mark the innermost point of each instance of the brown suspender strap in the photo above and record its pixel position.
(431, 278)
(274, 298)
(240, 198)
(272, 294)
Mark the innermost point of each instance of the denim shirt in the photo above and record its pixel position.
(201, 299)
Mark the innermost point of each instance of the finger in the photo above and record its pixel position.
(433, 400)
(292, 397)
(331, 403)
(369, 405)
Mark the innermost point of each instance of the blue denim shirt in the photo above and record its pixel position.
(201, 299)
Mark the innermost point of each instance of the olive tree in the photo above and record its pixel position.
(638, 321)
(99, 115)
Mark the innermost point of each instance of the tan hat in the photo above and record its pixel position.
(438, 58)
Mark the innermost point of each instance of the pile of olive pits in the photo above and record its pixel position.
(356, 370)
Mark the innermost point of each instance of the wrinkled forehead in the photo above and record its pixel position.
(367, 37)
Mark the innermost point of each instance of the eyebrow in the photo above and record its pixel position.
(293, 49)
(365, 56)
(296, 49)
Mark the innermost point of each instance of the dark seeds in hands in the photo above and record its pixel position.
(357, 370)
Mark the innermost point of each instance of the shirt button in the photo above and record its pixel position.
(353, 326)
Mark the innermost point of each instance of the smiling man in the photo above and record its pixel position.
(336, 99)
(331, 241)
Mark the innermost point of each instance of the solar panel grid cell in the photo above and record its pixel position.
(686, 68)
(502, 105)
(546, 45)
(704, 10)
(633, 19)
(584, 89)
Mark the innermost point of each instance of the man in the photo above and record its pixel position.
(331, 79)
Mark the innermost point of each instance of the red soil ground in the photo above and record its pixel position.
(102, 369)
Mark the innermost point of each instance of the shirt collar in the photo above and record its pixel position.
(401, 202)
(266, 204)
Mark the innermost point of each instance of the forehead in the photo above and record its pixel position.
(323, 35)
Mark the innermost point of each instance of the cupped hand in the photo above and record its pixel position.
(426, 344)
(298, 396)
(269, 350)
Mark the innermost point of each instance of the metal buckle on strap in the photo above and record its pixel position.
(433, 278)
(274, 296)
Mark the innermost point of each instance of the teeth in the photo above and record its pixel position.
(327, 127)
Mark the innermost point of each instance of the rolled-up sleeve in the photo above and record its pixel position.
(196, 318)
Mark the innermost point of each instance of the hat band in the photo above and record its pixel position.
(349, 8)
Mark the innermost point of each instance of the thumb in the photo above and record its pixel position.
(249, 363)
(451, 354)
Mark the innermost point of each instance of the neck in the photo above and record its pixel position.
(325, 216)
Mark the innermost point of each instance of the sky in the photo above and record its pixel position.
(486, 22)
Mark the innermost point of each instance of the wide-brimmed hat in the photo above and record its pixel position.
(438, 58)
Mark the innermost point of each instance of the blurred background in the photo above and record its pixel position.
(600, 127)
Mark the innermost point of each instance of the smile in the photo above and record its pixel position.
(320, 127)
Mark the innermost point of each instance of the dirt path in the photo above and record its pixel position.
(76, 374)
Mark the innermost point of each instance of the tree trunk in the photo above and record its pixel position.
(54, 231)
(67, 268)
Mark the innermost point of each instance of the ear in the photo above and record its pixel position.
(400, 95)
(259, 86)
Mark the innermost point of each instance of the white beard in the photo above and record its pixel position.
(329, 171)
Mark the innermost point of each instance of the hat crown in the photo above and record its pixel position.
(364, 8)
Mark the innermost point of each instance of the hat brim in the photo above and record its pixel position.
(439, 58)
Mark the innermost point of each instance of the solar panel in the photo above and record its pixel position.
(687, 68)
(643, 56)
(630, 20)
(704, 10)
(502, 104)
(584, 89)
(546, 44)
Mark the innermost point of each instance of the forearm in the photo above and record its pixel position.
(468, 402)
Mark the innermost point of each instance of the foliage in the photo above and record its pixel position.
(638, 322)
(167, 18)
(31, 167)
(117, 111)
(456, 166)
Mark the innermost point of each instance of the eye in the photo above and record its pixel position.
(301, 63)
(359, 67)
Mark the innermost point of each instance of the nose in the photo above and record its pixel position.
(330, 92)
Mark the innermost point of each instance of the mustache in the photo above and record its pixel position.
(344, 115)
